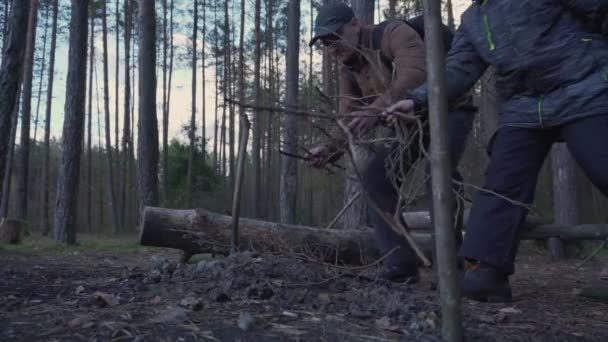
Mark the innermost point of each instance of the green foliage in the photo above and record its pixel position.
(205, 179)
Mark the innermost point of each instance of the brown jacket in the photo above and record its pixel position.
(368, 83)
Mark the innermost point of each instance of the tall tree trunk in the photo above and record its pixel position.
(164, 181)
(192, 131)
(5, 23)
(204, 84)
(257, 113)
(147, 142)
(450, 9)
(6, 182)
(564, 193)
(116, 85)
(356, 215)
(133, 181)
(100, 220)
(166, 111)
(289, 175)
(231, 158)
(126, 133)
(26, 114)
(364, 10)
(89, 156)
(217, 103)
(309, 201)
(242, 62)
(392, 8)
(271, 101)
(44, 222)
(69, 169)
(41, 74)
(106, 101)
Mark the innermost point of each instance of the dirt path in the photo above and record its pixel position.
(146, 296)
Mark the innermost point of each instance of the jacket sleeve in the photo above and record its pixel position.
(586, 6)
(404, 47)
(464, 68)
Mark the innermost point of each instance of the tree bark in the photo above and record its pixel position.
(116, 87)
(257, 207)
(192, 130)
(26, 114)
(450, 11)
(147, 143)
(364, 10)
(6, 182)
(41, 74)
(445, 244)
(165, 122)
(69, 169)
(126, 133)
(356, 215)
(44, 222)
(204, 85)
(392, 8)
(11, 73)
(168, 103)
(5, 23)
(231, 119)
(565, 210)
(270, 187)
(89, 154)
(288, 165)
(106, 102)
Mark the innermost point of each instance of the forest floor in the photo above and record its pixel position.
(113, 290)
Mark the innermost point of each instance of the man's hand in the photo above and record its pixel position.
(362, 122)
(322, 155)
(391, 114)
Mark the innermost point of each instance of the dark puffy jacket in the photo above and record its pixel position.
(550, 68)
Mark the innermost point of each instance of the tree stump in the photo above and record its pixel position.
(11, 231)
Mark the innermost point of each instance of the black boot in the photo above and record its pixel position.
(484, 283)
(435, 274)
(401, 274)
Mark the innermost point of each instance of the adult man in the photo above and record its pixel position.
(378, 65)
(552, 72)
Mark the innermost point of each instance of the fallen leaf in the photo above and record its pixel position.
(510, 311)
(78, 321)
(172, 314)
(246, 321)
(487, 319)
(385, 323)
(286, 329)
(80, 289)
(289, 314)
(103, 299)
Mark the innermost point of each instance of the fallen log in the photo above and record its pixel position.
(201, 231)
(421, 220)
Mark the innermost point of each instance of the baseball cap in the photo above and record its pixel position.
(330, 19)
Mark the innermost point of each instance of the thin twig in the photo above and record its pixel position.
(593, 254)
(341, 213)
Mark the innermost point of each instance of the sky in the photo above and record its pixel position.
(180, 107)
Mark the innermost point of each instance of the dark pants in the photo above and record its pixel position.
(516, 157)
(380, 189)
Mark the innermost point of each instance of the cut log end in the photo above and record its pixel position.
(11, 231)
